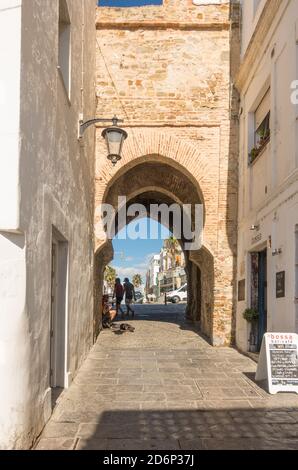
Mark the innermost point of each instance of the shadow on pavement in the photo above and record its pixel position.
(191, 430)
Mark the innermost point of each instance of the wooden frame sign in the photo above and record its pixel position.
(278, 362)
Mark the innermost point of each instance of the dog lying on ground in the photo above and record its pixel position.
(122, 328)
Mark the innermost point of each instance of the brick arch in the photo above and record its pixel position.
(151, 146)
(203, 172)
(142, 145)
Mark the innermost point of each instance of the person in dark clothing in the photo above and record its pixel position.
(130, 295)
(118, 294)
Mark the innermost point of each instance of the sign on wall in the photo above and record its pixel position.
(280, 284)
(278, 362)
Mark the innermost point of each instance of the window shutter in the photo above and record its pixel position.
(262, 110)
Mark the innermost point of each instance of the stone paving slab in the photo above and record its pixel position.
(238, 444)
(127, 444)
(165, 387)
(55, 444)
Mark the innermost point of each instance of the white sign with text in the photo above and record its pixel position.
(278, 362)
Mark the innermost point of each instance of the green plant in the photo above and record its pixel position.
(110, 276)
(137, 280)
(264, 134)
(261, 132)
(253, 154)
(250, 314)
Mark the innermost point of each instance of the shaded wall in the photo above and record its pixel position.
(56, 179)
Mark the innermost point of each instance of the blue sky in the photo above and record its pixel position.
(128, 3)
(132, 256)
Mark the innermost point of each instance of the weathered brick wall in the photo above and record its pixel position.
(183, 12)
(151, 68)
(166, 71)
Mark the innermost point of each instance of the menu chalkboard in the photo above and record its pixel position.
(278, 362)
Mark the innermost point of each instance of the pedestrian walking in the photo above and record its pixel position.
(130, 295)
(118, 294)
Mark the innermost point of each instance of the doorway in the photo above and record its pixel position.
(58, 321)
(259, 291)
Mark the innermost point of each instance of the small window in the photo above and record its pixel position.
(64, 44)
(262, 134)
(261, 127)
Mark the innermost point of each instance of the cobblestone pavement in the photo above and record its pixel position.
(165, 387)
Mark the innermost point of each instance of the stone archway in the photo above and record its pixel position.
(184, 175)
(167, 72)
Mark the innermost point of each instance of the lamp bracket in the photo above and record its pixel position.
(84, 125)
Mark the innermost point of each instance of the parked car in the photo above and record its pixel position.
(178, 295)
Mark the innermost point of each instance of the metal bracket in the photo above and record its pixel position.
(84, 125)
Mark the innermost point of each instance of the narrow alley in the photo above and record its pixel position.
(164, 387)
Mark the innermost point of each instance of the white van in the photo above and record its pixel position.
(178, 295)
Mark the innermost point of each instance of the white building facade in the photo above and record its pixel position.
(268, 170)
(47, 56)
(152, 274)
(172, 274)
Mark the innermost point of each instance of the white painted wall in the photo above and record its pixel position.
(14, 353)
(10, 60)
(276, 211)
(13, 323)
(154, 269)
(55, 181)
(251, 12)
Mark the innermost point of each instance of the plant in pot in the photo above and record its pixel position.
(263, 134)
(253, 154)
(251, 315)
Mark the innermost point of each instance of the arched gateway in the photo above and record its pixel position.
(167, 71)
(145, 175)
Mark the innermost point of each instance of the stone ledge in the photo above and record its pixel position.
(162, 124)
(156, 25)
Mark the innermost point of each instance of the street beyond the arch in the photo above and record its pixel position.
(164, 387)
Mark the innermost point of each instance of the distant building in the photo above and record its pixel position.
(172, 274)
(152, 275)
(164, 273)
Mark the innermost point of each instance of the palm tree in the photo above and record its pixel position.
(172, 247)
(110, 276)
(137, 280)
